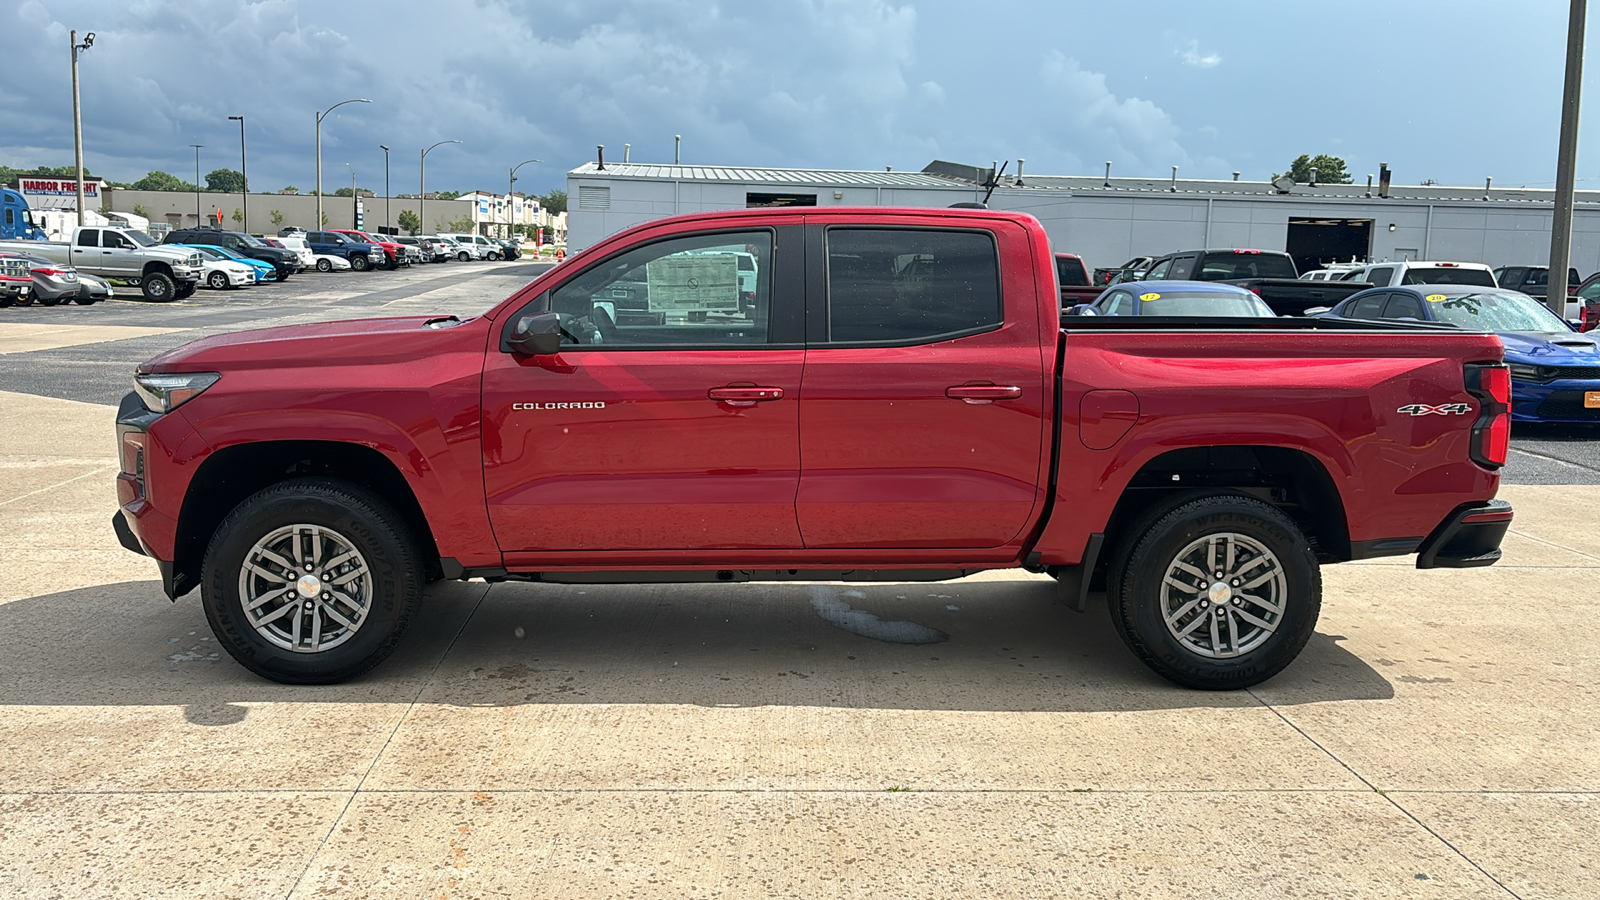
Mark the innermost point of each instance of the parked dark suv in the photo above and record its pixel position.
(287, 262)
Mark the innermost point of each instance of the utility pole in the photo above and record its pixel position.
(244, 188)
(197, 183)
(77, 114)
(1566, 164)
(511, 202)
(388, 223)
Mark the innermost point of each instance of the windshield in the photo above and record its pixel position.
(1497, 312)
(1201, 303)
(1233, 264)
(1451, 275)
(140, 238)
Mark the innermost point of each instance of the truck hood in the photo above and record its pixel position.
(350, 342)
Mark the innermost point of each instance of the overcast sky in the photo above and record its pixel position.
(1452, 91)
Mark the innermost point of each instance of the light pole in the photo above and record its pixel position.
(1566, 163)
(244, 178)
(387, 222)
(77, 115)
(320, 116)
(197, 183)
(511, 200)
(422, 182)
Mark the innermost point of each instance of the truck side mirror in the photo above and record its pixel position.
(538, 335)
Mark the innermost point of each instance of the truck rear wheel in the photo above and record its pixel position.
(1219, 592)
(360, 262)
(158, 287)
(311, 581)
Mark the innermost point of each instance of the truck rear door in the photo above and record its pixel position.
(670, 419)
(924, 397)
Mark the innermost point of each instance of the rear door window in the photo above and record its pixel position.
(1070, 272)
(1465, 275)
(1367, 307)
(89, 237)
(1160, 270)
(911, 286)
(1403, 306)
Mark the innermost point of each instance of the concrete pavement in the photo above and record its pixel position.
(1437, 738)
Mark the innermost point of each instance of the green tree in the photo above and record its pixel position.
(224, 181)
(343, 192)
(409, 221)
(463, 225)
(324, 220)
(555, 201)
(449, 195)
(139, 209)
(1330, 169)
(238, 215)
(276, 216)
(291, 189)
(162, 181)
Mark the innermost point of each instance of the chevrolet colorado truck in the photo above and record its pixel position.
(162, 273)
(899, 401)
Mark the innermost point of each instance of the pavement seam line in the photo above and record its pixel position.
(1385, 795)
(1555, 459)
(98, 470)
(311, 858)
(1551, 544)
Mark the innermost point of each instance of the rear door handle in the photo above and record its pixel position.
(745, 395)
(982, 393)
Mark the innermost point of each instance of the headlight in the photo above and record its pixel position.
(1531, 373)
(165, 393)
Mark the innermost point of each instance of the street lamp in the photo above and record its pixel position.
(422, 182)
(197, 183)
(387, 222)
(511, 200)
(77, 115)
(244, 187)
(320, 116)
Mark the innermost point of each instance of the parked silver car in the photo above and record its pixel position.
(52, 281)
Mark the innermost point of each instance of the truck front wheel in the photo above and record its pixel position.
(1220, 592)
(311, 581)
(360, 262)
(158, 287)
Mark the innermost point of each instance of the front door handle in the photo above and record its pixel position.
(982, 393)
(745, 395)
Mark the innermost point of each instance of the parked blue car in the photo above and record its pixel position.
(1555, 372)
(1174, 298)
(264, 271)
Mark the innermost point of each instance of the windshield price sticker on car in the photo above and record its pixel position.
(1148, 297)
(1437, 298)
(693, 283)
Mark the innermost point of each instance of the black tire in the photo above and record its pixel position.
(217, 280)
(361, 519)
(24, 299)
(494, 256)
(1157, 542)
(187, 289)
(7, 300)
(48, 301)
(85, 300)
(360, 262)
(158, 287)
(283, 273)
(324, 266)
(463, 256)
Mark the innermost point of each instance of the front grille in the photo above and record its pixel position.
(1574, 372)
(1567, 405)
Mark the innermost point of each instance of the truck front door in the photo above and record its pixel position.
(924, 396)
(670, 419)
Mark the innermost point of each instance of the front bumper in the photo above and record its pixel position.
(1556, 401)
(1467, 538)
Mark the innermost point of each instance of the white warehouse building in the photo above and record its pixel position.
(1110, 220)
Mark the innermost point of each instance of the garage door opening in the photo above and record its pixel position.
(754, 200)
(1314, 243)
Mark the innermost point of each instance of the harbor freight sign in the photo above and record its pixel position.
(58, 193)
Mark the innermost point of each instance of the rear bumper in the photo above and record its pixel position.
(1467, 538)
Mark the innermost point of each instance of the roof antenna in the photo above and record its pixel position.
(1108, 174)
(1018, 180)
(625, 149)
(600, 150)
(677, 145)
(994, 181)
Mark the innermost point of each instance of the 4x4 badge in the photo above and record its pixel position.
(1445, 409)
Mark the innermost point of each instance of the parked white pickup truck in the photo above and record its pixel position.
(161, 272)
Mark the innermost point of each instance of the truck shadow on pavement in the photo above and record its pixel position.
(995, 646)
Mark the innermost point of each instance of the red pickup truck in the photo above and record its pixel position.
(896, 401)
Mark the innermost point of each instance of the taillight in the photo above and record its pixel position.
(41, 271)
(1491, 433)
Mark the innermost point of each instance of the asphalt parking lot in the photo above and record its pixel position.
(1436, 739)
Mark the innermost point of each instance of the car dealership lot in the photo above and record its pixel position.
(1436, 739)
